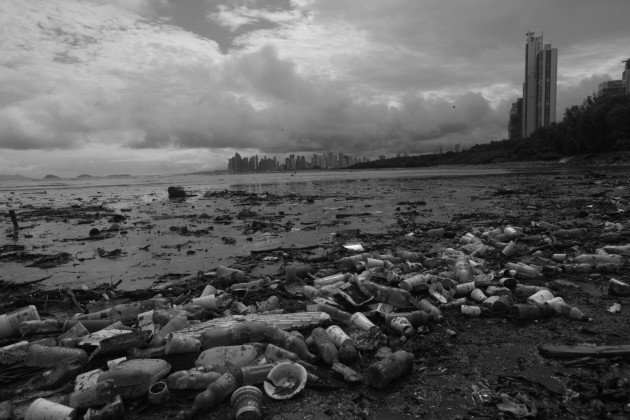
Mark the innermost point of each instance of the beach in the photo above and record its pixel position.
(127, 235)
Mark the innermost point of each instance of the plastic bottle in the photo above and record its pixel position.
(347, 350)
(324, 281)
(570, 233)
(524, 270)
(191, 379)
(175, 324)
(271, 303)
(133, 378)
(335, 313)
(128, 312)
(96, 396)
(619, 288)
(400, 325)
(415, 318)
(230, 275)
(411, 256)
(327, 349)
(540, 297)
(42, 326)
(417, 283)
(427, 306)
(53, 377)
(463, 272)
(524, 291)
(380, 374)
(90, 325)
(214, 394)
(252, 331)
(10, 323)
(394, 296)
(43, 356)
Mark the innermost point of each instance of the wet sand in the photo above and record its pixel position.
(162, 241)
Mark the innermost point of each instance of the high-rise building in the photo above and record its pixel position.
(626, 75)
(611, 87)
(539, 87)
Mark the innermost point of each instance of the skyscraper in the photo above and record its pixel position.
(626, 75)
(539, 87)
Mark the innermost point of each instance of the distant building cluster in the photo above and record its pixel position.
(537, 107)
(292, 162)
(615, 87)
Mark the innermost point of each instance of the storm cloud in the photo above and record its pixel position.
(131, 78)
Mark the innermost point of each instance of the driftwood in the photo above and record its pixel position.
(552, 351)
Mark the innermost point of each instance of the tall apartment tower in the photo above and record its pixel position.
(626, 75)
(539, 88)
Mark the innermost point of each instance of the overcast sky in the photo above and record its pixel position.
(170, 86)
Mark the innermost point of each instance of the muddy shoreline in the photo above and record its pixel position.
(462, 365)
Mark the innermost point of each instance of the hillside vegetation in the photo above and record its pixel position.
(600, 126)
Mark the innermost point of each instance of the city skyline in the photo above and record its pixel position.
(166, 86)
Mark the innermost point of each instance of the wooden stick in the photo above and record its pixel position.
(14, 220)
(584, 351)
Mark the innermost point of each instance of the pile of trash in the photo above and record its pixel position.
(219, 347)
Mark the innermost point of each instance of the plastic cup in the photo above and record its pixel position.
(471, 310)
(246, 403)
(207, 302)
(361, 321)
(43, 409)
(209, 290)
(509, 249)
(478, 295)
(337, 335)
(540, 297)
(290, 379)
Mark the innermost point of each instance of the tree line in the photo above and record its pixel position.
(600, 124)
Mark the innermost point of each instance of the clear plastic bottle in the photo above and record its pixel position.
(394, 296)
(463, 272)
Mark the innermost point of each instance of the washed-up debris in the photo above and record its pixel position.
(372, 313)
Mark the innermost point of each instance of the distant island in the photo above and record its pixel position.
(14, 178)
(52, 177)
(85, 176)
(119, 176)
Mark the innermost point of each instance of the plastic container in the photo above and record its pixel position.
(133, 378)
(43, 409)
(158, 394)
(285, 380)
(241, 355)
(246, 402)
(10, 323)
